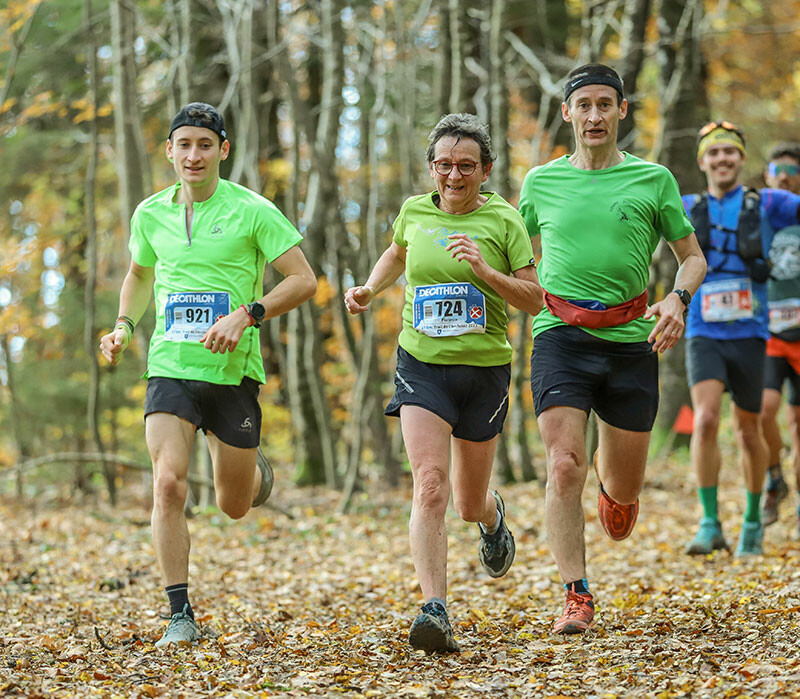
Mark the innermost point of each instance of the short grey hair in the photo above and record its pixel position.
(462, 126)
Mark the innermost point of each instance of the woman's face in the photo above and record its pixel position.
(458, 193)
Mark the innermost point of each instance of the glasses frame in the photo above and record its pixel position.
(468, 164)
(775, 169)
(724, 124)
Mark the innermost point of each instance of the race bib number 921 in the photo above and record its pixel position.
(189, 314)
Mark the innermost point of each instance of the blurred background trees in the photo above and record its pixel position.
(328, 105)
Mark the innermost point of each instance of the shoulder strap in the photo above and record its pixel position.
(748, 230)
(698, 215)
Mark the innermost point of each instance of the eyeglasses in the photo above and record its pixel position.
(775, 169)
(727, 125)
(445, 167)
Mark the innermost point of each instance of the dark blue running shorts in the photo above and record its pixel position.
(739, 364)
(618, 380)
(232, 413)
(777, 371)
(472, 399)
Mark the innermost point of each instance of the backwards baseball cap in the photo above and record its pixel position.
(592, 74)
(199, 114)
(719, 132)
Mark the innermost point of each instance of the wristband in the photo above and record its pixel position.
(126, 322)
(249, 317)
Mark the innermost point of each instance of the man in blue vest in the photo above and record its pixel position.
(783, 347)
(727, 325)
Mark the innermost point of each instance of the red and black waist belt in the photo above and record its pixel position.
(587, 318)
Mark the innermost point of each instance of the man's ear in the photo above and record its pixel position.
(565, 112)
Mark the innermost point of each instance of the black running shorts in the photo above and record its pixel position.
(618, 380)
(231, 413)
(776, 371)
(739, 364)
(472, 399)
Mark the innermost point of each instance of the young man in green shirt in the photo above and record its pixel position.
(202, 245)
(597, 216)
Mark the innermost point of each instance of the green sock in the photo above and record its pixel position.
(752, 512)
(708, 499)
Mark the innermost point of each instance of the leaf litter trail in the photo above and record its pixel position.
(320, 605)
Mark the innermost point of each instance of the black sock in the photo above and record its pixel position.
(579, 586)
(179, 598)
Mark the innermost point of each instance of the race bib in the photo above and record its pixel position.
(726, 300)
(784, 315)
(189, 314)
(445, 310)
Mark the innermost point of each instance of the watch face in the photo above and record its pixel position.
(257, 311)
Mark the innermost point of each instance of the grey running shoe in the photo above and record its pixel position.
(708, 539)
(497, 550)
(773, 498)
(750, 540)
(431, 631)
(267, 479)
(181, 628)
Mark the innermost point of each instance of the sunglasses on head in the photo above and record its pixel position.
(727, 125)
(775, 169)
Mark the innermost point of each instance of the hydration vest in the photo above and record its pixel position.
(749, 246)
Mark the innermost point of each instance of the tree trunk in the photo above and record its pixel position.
(131, 155)
(684, 106)
(634, 24)
(89, 335)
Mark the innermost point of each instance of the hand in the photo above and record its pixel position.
(357, 298)
(465, 248)
(670, 325)
(225, 334)
(113, 345)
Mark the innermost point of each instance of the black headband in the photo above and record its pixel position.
(583, 79)
(199, 114)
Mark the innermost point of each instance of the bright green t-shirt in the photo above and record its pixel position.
(599, 229)
(234, 233)
(422, 228)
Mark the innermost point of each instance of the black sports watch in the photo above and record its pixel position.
(683, 295)
(257, 313)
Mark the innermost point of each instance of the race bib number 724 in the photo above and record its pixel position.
(445, 310)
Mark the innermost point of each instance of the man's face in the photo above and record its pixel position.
(722, 163)
(195, 153)
(595, 114)
(783, 173)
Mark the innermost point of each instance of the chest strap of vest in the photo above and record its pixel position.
(749, 245)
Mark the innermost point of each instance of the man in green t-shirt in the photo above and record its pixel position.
(202, 245)
(597, 216)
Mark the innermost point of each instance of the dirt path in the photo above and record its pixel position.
(321, 605)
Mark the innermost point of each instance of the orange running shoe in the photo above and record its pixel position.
(578, 613)
(618, 520)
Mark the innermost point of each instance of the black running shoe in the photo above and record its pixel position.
(431, 631)
(267, 479)
(497, 550)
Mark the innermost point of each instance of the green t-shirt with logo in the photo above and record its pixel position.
(599, 229)
(422, 228)
(233, 234)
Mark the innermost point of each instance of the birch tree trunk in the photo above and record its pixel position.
(634, 24)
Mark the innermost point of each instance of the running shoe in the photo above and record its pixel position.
(708, 539)
(497, 550)
(182, 627)
(431, 631)
(267, 479)
(578, 613)
(618, 520)
(773, 498)
(750, 539)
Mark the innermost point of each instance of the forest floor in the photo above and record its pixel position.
(307, 602)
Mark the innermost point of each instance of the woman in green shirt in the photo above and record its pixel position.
(464, 253)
